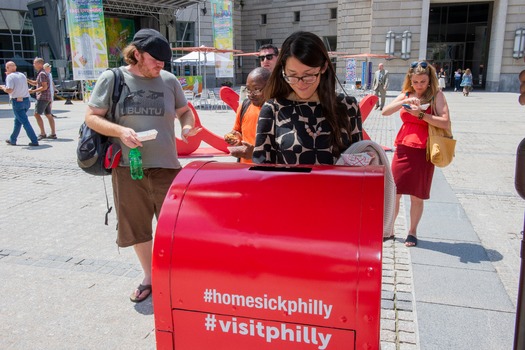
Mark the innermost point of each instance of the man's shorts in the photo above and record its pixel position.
(136, 201)
(43, 107)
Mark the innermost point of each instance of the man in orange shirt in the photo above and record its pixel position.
(243, 133)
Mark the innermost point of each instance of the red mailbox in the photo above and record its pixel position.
(269, 257)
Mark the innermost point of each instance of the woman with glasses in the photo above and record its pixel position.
(304, 121)
(420, 103)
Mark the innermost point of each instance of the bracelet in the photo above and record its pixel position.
(421, 115)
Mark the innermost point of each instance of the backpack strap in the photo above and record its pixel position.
(245, 104)
(118, 85)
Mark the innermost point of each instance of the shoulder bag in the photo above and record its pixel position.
(440, 146)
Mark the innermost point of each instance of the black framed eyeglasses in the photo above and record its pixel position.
(307, 79)
(423, 64)
(268, 57)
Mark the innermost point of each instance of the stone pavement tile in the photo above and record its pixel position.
(459, 328)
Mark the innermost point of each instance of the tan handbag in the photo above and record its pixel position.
(440, 146)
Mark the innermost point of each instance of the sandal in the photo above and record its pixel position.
(41, 136)
(143, 289)
(411, 241)
(392, 237)
(52, 136)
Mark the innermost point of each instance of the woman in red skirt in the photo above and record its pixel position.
(421, 102)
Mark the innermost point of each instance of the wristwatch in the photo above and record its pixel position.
(420, 115)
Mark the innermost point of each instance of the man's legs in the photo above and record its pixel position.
(378, 94)
(51, 124)
(382, 93)
(42, 107)
(20, 111)
(40, 123)
(144, 253)
(16, 130)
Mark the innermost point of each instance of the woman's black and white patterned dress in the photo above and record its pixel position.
(292, 132)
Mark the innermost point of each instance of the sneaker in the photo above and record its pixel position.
(34, 144)
(51, 136)
(40, 137)
(10, 143)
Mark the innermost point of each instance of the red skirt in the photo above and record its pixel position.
(412, 172)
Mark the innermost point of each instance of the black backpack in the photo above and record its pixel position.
(96, 155)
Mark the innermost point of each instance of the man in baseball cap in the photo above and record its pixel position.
(151, 100)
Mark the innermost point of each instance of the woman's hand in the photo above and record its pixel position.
(244, 150)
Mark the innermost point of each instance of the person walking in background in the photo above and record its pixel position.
(380, 84)
(52, 87)
(16, 87)
(43, 99)
(412, 171)
(442, 79)
(466, 82)
(304, 121)
(137, 201)
(457, 80)
(243, 132)
(268, 56)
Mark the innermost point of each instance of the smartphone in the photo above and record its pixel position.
(406, 106)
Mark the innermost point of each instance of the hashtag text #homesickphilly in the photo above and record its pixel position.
(311, 307)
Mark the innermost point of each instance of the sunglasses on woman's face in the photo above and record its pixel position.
(423, 64)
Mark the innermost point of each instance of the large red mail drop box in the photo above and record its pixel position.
(269, 257)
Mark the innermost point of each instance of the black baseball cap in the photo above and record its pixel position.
(151, 41)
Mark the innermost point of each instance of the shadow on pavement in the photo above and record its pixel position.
(466, 252)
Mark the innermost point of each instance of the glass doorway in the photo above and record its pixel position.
(458, 37)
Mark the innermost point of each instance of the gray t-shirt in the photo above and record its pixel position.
(18, 82)
(145, 104)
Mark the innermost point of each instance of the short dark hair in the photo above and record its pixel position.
(270, 47)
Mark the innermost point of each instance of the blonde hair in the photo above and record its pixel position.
(433, 86)
(129, 54)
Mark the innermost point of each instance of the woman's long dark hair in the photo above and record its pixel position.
(309, 49)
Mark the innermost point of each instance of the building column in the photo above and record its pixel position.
(497, 37)
(423, 39)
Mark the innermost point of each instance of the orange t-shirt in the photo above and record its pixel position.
(413, 132)
(248, 128)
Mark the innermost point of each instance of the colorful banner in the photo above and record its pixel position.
(222, 24)
(363, 74)
(350, 77)
(369, 81)
(119, 33)
(87, 33)
(192, 83)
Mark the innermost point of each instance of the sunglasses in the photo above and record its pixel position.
(266, 57)
(423, 64)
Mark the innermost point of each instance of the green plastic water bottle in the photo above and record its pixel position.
(135, 164)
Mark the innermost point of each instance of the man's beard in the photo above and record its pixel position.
(145, 71)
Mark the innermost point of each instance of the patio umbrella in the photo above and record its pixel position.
(205, 50)
(196, 58)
